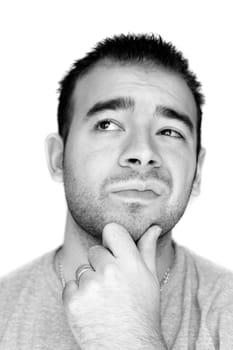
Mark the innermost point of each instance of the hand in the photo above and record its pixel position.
(117, 306)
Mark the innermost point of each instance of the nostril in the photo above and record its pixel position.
(138, 161)
(134, 160)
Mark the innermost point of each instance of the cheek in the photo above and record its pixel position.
(182, 167)
(96, 163)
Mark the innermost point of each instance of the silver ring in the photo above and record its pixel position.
(80, 270)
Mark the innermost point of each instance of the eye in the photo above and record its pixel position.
(172, 133)
(107, 124)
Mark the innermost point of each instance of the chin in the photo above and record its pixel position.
(135, 226)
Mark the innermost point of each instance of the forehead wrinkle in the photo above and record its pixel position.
(115, 103)
(139, 80)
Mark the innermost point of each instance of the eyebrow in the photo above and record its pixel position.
(112, 104)
(171, 113)
(124, 103)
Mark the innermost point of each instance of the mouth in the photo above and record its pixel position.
(136, 189)
(133, 195)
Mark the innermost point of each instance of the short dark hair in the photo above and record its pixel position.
(128, 49)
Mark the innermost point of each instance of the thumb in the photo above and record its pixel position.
(147, 247)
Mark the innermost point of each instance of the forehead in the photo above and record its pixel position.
(146, 85)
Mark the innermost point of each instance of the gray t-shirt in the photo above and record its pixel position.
(196, 307)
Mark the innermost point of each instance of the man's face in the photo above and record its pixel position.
(130, 156)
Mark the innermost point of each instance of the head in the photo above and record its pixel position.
(144, 50)
(129, 115)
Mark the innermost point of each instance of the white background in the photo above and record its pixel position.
(39, 41)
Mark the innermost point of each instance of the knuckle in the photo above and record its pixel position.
(68, 292)
(70, 303)
(110, 270)
(92, 287)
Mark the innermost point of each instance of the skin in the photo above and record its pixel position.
(103, 230)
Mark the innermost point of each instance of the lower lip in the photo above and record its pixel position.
(147, 195)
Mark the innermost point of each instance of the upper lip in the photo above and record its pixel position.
(156, 187)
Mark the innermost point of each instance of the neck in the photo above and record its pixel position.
(77, 242)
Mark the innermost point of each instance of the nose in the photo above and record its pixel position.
(140, 153)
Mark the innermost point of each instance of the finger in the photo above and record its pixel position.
(83, 276)
(118, 240)
(69, 291)
(99, 257)
(147, 247)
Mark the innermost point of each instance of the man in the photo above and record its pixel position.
(129, 154)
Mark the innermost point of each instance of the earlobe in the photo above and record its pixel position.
(197, 181)
(54, 153)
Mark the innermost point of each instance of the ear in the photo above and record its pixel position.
(197, 181)
(54, 153)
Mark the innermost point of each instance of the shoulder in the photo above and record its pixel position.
(28, 294)
(20, 276)
(215, 282)
(22, 282)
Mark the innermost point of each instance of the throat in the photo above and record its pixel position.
(165, 255)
